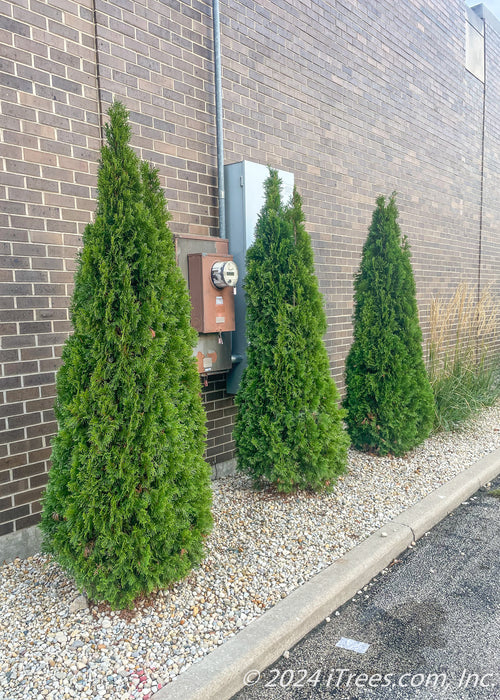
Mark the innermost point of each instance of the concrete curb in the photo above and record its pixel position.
(221, 674)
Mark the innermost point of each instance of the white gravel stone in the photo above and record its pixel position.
(61, 638)
(262, 547)
(80, 603)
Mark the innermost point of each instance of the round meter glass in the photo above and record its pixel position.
(224, 274)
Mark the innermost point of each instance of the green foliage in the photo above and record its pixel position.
(464, 377)
(462, 392)
(289, 427)
(128, 500)
(388, 398)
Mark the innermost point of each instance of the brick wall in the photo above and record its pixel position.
(365, 99)
(49, 150)
(157, 58)
(356, 98)
(221, 411)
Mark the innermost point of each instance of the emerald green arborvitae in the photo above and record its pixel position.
(128, 500)
(388, 399)
(289, 426)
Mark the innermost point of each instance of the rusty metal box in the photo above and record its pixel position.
(212, 355)
(212, 308)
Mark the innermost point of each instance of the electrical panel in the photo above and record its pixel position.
(212, 283)
(244, 195)
(211, 275)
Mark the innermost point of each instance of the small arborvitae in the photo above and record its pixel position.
(128, 500)
(289, 426)
(389, 399)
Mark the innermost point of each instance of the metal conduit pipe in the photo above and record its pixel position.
(218, 120)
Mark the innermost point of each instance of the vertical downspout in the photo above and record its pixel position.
(481, 206)
(218, 120)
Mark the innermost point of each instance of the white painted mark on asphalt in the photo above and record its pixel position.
(352, 645)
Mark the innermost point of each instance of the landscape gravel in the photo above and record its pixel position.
(263, 546)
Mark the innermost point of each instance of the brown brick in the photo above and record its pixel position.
(9, 382)
(23, 394)
(5, 503)
(31, 276)
(12, 461)
(13, 513)
(39, 379)
(35, 327)
(39, 405)
(30, 302)
(20, 341)
(29, 470)
(6, 528)
(48, 389)
(40, 454)
(24, 420)
(8, 355)
(39, 480)
(16, 368)
(28, 521)
(43, 429)
(35, 353)
(28, 496)
(25, 445)
(8, 328)
(6, 275)
(14, 487)
(36, 508)
(11, 409)
(13, 26)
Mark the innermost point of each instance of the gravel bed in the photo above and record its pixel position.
(262, 547)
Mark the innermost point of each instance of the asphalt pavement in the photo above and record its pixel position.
(427, 627)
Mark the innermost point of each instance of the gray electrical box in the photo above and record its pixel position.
(244, 185)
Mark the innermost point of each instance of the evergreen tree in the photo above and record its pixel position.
(128, 499)
(289, 427)
(389, 399)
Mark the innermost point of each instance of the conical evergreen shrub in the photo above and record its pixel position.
(289, 427)
(389, 400)
(128, 499)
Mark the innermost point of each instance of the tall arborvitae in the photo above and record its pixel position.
(289, 426)
(389, 399)
(128, 500)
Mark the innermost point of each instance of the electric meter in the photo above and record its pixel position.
(224, 274)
